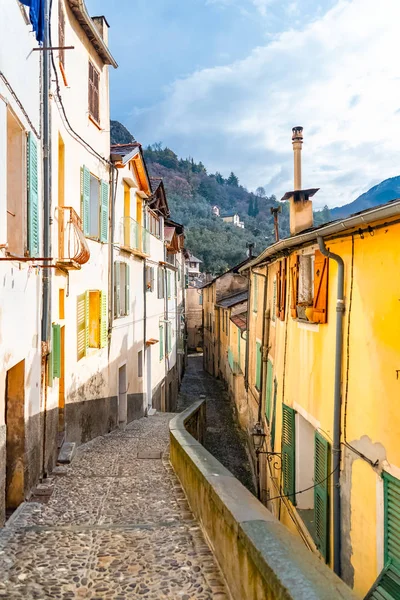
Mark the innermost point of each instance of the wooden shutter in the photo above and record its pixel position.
(33, 197)
(294, 285)
(85, 199)
(392, 518)
(104, 200)
(258, 365)
(56, 350)
(81, 323)
(127, 289)
(86, 322)
(278, 291)
(103, 320)
(282, 290)
(321, 494)
(387, 586)
(320, 287)
(117, 289)
(268, 395)
(93, 91)
(288, 452)
(161, 342)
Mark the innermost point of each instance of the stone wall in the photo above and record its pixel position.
(258, 556)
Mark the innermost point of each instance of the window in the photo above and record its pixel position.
(161, 342)
(169, 337)
(94, 103)
(153, 224)
(22, 190)
(258, 366)
(160, 283)
(255, 292)
(149, 279)
(309, 285)
(387, 585)
(140, 363)
(92, 327)
(94, 206)
(121, 289)
(200, 298)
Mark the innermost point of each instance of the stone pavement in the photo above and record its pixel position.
(224, 438)
(116, 526)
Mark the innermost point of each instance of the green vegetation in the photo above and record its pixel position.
(191, 195)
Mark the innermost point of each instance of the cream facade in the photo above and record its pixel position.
(21, 241)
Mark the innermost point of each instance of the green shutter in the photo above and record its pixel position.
(268, 391)
(104, 198)
(258, 366)
(255, 292)
(85, 199)
(33, 197)
(288, 452)
(56, 350)
(81, 326)
(387, 586)
(321, 494)
(127, 289)
(161, 342)
(392, 518)
(117, 290)
(103, 320)
(273, 424)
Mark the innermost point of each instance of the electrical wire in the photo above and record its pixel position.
(311, 487)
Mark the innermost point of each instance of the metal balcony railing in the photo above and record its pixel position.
(134, 236)
(73, 249)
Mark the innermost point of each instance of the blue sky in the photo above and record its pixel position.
(225, 80)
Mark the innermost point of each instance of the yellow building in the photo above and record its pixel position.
(322, 382)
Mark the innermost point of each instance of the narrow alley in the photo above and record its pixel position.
(116, 526)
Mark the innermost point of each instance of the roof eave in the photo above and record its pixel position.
(78, 7)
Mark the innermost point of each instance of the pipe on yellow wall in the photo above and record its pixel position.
(337, 409)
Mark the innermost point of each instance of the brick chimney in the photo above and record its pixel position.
(301, 213)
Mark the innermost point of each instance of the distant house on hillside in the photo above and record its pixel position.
(193, 267)
(215, 211)
(234, 220)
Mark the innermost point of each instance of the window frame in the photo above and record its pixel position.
(118, 291)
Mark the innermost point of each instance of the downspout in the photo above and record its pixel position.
(114, 183)
(246, 366)
(263, 374)
(337, 405)
(46, 282)
(144, 334)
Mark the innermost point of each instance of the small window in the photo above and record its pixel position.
(161, 340)
(149, 279)
(92, 325)
(121, 289)
(94, 103)
(94, 206)
(309, 287)
(200, 298)
(140, 363)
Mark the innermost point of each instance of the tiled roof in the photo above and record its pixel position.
(233, 299)
(124, 149)
(240, 320)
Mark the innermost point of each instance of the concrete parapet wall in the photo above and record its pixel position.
(259, 557)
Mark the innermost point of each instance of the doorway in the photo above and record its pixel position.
(15, 436)
(148, 379)
(122, 396)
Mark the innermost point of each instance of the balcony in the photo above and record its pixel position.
(133, 237)
(73, 250)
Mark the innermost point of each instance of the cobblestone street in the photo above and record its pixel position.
(117, 525)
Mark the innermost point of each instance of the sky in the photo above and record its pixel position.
(224, 81)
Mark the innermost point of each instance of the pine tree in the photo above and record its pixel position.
(256, 207)
(251, 207)
(233, 180)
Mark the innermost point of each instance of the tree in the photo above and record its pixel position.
(326, 214)
(260, 192)
(251, 207)
(256, 209)
(219, 178)
(233, 180)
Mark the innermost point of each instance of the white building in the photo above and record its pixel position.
(21, 247)
(234, 220)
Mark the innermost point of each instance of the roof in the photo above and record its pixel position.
(234, 269)
(194, 259)
(169, 233)
(158, 200)
(328, 230)
(240, 320)
(309, 193)
(81, 14)
(126, 151)
(234, 299)
(229, 216)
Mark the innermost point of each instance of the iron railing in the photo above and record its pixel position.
(134, 236)
(73, 249)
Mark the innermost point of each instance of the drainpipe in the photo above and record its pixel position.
(246, 366)
(263, 374)
(46, 281)
(114, 183)
(337, 406)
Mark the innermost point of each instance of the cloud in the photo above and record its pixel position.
(338, 77)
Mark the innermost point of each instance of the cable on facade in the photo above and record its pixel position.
(20, 105)
(305, 489)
